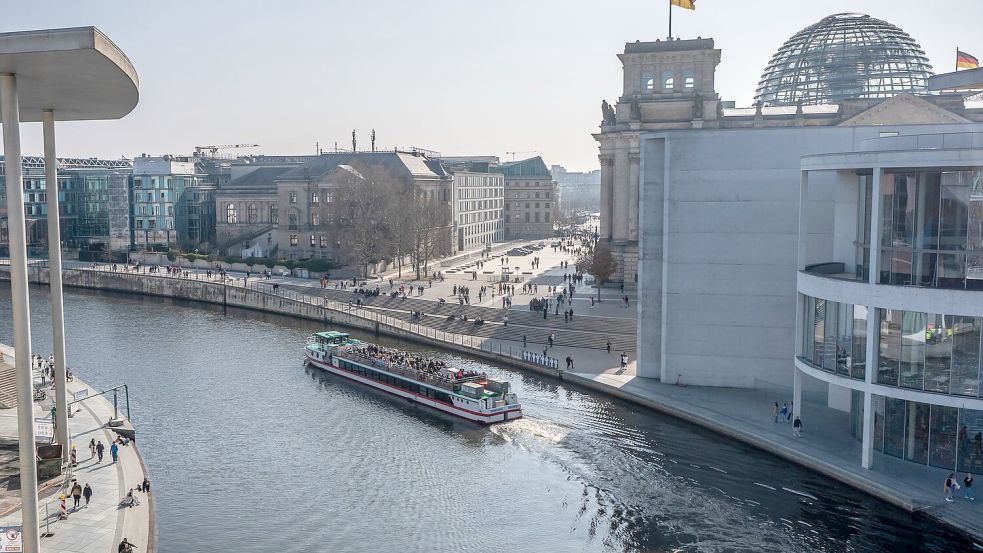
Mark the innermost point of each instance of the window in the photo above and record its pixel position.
(668, 82)
(170, 211)
(293, 239)
(293, 197)
(230, 214)
(689, 81)
(252, 213)
(312, 241)
(648, 81)
(274, 214)
(323, 241)
(293, 220)
(315, 219)
(314, 198)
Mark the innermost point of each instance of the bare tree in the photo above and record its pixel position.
(598, 262)
(428, 218)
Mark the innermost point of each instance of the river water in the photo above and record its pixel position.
(250, 451)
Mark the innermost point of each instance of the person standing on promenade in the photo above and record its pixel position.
(92, 448)
(783, 412)
(99, 449)
(76, 493)
(523, 340)
(569, 362)
(968, 484)
(797, 427)
(114, 452)
(774, 411)
(87, 494)
(550, 339)
(950, 486)
(624, 360)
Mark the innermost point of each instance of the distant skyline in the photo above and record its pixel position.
(461, 78)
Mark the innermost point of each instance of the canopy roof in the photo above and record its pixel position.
(77, 72)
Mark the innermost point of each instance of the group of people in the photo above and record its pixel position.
(785, 415)
(419, 363)
(951, 486)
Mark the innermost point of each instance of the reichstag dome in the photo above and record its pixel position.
(846, 55)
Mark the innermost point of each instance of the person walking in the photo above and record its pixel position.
(774, 411)
(87, 493)
(609, 345)
(114, 452)
(624, 360)
(99, 449)
(950, 486)
(569, 362)
(76, 494)
(797, 427)
(523, 340)
(968, 484)
(783, 412)
(550, 339)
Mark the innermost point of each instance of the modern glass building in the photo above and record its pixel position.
(894, 320)
(846, 55)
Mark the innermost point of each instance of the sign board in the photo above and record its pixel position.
(42, 429)
(11, 539)
(81, 394)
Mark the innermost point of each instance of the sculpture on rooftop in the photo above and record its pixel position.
(607, 113)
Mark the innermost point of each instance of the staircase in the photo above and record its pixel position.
(8, 384)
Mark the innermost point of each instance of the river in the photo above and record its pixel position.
(250, 451)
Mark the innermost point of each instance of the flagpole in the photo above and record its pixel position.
(670, 20)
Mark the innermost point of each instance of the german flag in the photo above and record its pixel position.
(963, 60)
(691, 5)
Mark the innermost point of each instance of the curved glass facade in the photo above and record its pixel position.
(846, 55)
(931, 232)
(927, 352)
(946, 437)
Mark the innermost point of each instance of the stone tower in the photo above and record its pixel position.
(667, 85)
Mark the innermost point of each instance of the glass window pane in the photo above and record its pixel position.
(913, 327)
(894, 427)
(951, 270)
(905, 203)
(809, 330)
(927, 210)
(899, 263)
(954, 211)
(878, 423)
(819, 335)
(844, 338)
(859, 358)
(829, 340)
(938, 354)
(916, 432)
(890, 347)
(965, 356)
(943, 442)
(970, 440)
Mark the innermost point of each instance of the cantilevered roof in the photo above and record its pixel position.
(77, 72)
(969, 79)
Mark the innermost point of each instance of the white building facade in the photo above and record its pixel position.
(478, 205)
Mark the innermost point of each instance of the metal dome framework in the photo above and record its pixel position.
(845, 55)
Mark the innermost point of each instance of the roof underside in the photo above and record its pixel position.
(78, 73)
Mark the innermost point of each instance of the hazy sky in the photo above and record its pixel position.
(457, 76)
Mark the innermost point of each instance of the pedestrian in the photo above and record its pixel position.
(950, 486)
(87, 493)
(74, 456)
(99, 449)
(523, 340)
(146, 485)
(92, 448)
(506, 321)
(783, 412)
(968, 484)
(569, 362)
(76, 493)
(624, 360)
(114, 452)
(774, 411)
(788, 416)
(550, 339)
(797, 427)
(609, 345)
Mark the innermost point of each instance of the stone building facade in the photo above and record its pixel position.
(478, 202)
(531, 199)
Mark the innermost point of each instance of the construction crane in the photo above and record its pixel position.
(525, 152)
(214, 149)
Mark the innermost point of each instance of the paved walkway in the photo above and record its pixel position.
(99, 526)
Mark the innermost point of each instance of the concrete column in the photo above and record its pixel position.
(619, 221)
(796, 393)
(633, 194)
(10, 115)
(803, 218)
(867, 456)
(54, 275)
(607, 197)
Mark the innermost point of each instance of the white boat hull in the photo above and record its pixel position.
(510, 413)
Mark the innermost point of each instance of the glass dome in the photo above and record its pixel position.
(847, 55)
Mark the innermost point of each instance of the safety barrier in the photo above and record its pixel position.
(540, 359)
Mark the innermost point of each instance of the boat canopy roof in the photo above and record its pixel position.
(332, 336)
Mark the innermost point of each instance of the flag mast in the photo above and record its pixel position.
(670, 20)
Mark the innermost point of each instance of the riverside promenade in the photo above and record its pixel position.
(99, 526)
(737, 414)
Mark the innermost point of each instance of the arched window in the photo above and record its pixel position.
(252, 213)
(274, 214)
(230, 214)
(689, 80)
(648, 81)
(668, 82)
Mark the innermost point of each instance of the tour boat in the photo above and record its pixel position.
(467, 394)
